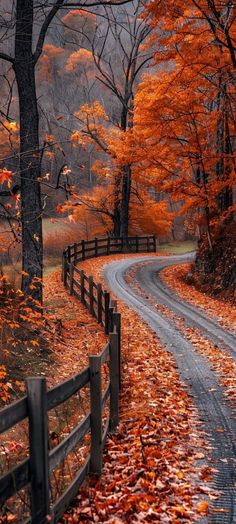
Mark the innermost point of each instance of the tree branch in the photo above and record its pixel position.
(44, 28)
(6, 57)
(94, 3)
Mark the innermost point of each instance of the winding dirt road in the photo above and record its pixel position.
(217, 414)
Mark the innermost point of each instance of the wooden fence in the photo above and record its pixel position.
(36, 469)
(105, 246)
(87, 291)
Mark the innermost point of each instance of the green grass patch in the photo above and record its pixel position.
(178, 248)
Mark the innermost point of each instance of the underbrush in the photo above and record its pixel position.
(66, 338)
(58, 233)
(21, 341)
(214, 271)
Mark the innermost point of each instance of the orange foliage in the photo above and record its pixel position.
(80, 58)
(94, 214)
(5, 176)
(77, 19)
(182, 141)
(9, 136)
(50, 53)
(18, 315)
(146, 215)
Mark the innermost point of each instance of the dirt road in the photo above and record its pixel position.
(217, 414)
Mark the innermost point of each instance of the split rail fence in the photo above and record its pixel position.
(36, 469)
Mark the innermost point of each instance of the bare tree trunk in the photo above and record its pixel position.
(31, 208)
(116, 207)
(125, 200)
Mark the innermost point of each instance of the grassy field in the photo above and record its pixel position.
(178, 248)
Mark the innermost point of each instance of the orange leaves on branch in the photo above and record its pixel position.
(9, 137)
(6, 176)
(176, 143)
(79, 58)
(73, 15)
(18, 316)
(50, 54)
(78, 21)
(150, 216)
(90, 112)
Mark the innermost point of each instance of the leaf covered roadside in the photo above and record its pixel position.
(154, 468)
(221, 361)
(176, 277)
(69, 334)
(74, 335)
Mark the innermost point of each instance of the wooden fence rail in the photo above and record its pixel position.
(35, 470)
(83, 287)
(105, 246)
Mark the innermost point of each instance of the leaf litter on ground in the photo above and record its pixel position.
(154, 464)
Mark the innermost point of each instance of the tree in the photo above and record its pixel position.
(28, 47)
(120, 55)
(184, 124)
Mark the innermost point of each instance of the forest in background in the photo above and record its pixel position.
(122, 119)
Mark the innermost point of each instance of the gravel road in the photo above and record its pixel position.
(217, 414)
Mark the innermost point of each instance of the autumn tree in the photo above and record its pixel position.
(184, 125)
(24, 26)
(119, 54)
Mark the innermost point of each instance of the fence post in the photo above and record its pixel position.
(154, 243)
(38, 437)
(106, 304)
(96, 414)
(63, 272)
(114, 381)
(82, 286)
(137, 244)
(71, 278)
(75, 254)
(117, 325)
(114, 304)
(148, 245)
(99, 298)
(91, 295)
(83, 249)
(66, 255)
(108, 245)
(111, 322)
(69, 254)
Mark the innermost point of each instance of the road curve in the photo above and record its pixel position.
(208, 395)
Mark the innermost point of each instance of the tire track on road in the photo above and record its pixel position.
(202, 383)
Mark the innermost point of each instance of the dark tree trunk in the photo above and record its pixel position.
(125, 199)
(126, 170)
(116, 222)
(116, 209)
(31, 208)
(225, 149)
